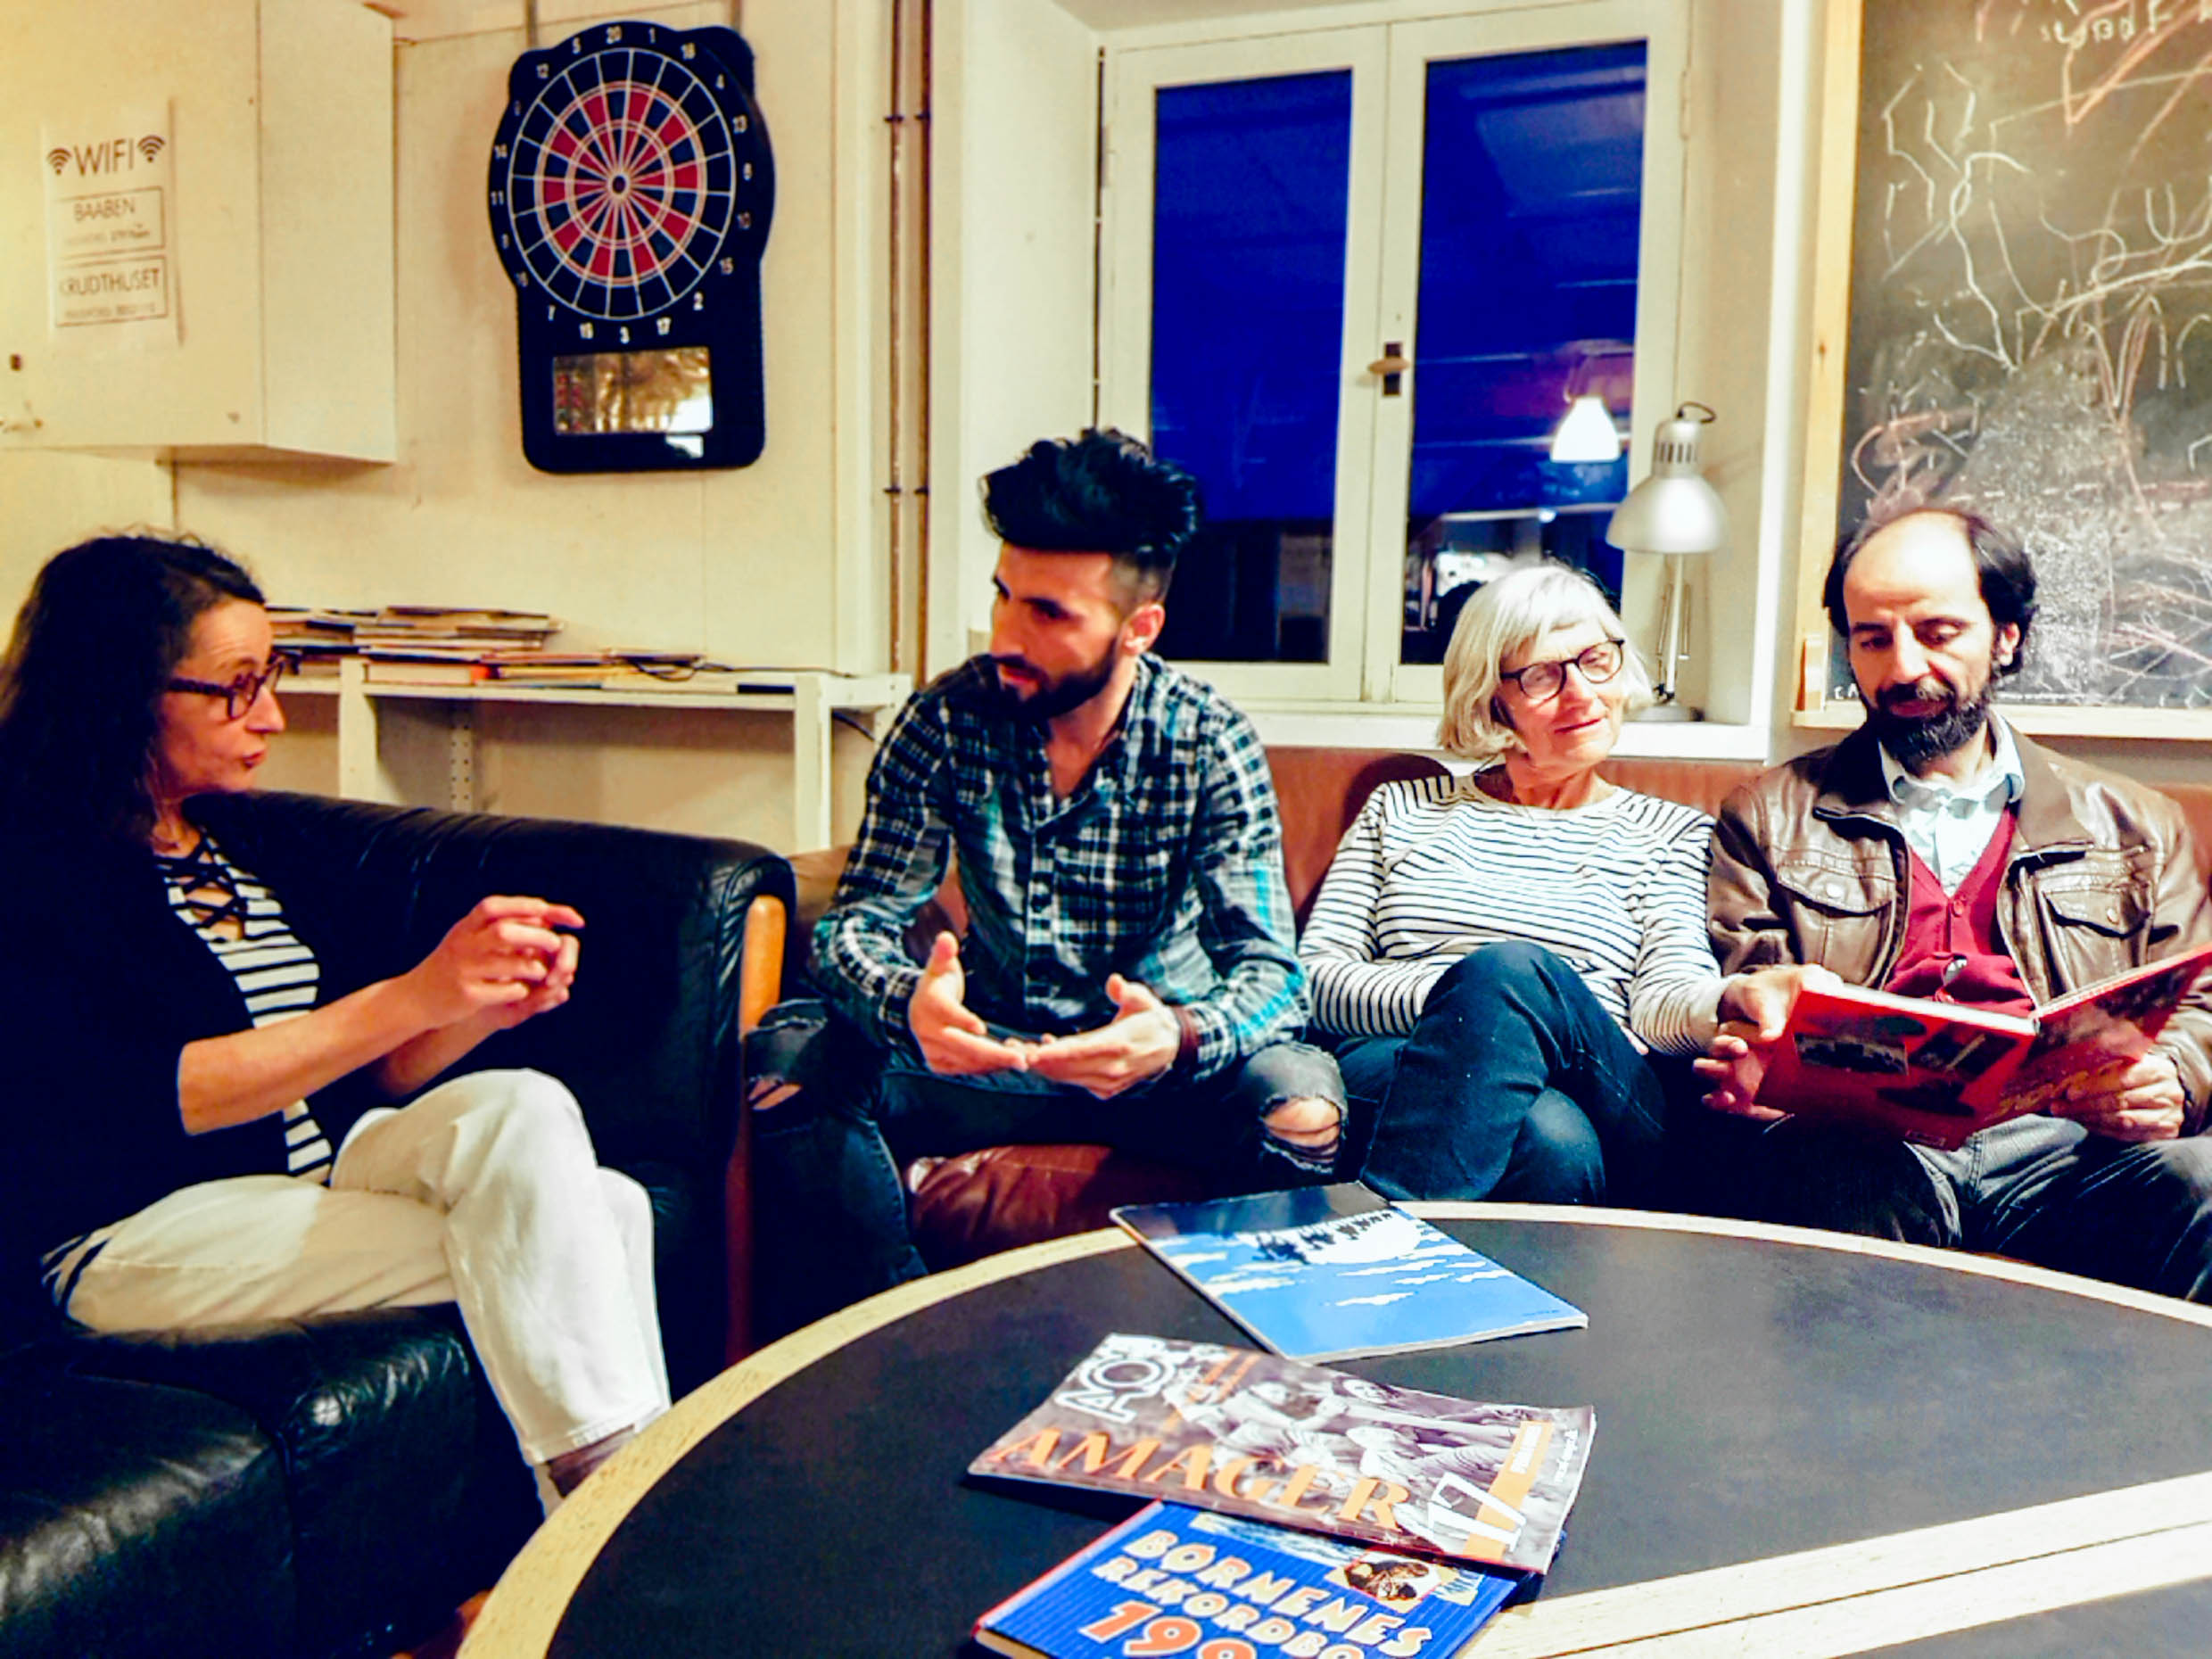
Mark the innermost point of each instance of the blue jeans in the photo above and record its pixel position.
(1514, 1083)
(2043, 1190)
(829, 1205)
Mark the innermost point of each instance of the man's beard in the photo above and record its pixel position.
(1913, 741)
(1055, 698)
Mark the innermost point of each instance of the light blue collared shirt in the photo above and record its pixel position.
(1950, 827)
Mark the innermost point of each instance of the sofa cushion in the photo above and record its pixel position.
(975, 1204)
(1318, 792)
(138, 1521)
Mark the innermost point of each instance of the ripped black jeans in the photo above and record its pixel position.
(836, 1118)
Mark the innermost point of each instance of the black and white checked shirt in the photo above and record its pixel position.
(1165, 865)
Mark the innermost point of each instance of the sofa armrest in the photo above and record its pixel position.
(817, 873)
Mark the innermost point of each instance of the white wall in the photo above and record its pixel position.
(1015, 120)
(735, 563)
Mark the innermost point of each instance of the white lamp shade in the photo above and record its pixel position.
(1669, 515)
(1674, 510)
(1587, 434)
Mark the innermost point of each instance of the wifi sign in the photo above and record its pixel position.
(57, 159)
(149, 146)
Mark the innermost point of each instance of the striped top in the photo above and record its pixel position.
(1433, 868)
(276, 974)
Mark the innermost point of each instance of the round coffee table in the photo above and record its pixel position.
(1806, 1444)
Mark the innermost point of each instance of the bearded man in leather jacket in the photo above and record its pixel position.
(1937, 852)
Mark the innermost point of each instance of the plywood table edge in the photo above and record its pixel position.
(532, 1594)
(1833, 1626)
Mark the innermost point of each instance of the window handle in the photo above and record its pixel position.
(1391, 365)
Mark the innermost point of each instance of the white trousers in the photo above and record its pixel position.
(486, 1192)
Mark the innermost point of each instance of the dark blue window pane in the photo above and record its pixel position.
(1252, 182)
(1532, 186)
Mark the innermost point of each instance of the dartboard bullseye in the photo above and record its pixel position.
(631, 189)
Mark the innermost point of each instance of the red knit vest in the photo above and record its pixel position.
(1951, 950)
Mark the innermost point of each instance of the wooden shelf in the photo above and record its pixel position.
(813, 699)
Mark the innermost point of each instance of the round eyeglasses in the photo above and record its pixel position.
(242, 693)
(1539, 682)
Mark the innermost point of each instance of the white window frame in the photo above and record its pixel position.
(1134, 79)
(1389, 63)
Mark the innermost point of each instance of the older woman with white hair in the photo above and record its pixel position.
(1514, 964)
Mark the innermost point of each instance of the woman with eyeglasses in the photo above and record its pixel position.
(1514, 965)
(200, 1125)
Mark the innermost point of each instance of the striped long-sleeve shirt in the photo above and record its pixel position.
(1433, 868)
(1165, 865)
(240, 921)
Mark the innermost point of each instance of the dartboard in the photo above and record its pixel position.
(630, 192)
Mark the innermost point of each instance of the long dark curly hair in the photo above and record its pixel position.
(95, 646)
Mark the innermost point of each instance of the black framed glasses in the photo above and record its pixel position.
(1539, 682)
(242, 693)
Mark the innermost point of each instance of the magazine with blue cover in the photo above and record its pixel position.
(1171, 1579)
(1340, 1272)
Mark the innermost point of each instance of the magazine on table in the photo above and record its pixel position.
(1171, 1579)
(1340, 1272)
(1296, 1445)
(1936, 1072)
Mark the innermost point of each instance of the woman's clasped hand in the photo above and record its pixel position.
(504, 962)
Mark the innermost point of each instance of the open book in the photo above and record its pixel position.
(1936, 1072)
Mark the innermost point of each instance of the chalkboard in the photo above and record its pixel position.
(2030, 317)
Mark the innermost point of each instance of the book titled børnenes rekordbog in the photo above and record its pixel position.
(1338, 1272)
(1293, 1445)
(1936, 1072)
(1174, 1579)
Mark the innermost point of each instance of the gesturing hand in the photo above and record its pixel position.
(1139, 1042)
(954, 1042)
(505, 956)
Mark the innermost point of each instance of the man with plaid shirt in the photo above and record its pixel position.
(1128, 974)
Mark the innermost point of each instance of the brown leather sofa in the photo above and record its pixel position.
(978, 1203)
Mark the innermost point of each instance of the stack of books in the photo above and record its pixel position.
(440, 645)
(316, 639)
(620, 671)
(436, 645)
(1296, 1506)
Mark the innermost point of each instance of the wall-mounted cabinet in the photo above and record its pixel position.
(274, 214)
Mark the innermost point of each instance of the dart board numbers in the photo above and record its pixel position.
(630, 192)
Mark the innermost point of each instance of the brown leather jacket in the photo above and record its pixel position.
(1809, 865)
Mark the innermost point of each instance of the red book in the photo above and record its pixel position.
(1936, 1072)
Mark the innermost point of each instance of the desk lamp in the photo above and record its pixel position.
(1674, 512)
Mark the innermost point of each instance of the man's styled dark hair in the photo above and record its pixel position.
(2000, 562)
(1102, 493)
(80, 688)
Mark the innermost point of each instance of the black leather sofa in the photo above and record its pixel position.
(337, 1486)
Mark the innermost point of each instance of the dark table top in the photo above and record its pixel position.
(1760, 1394)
